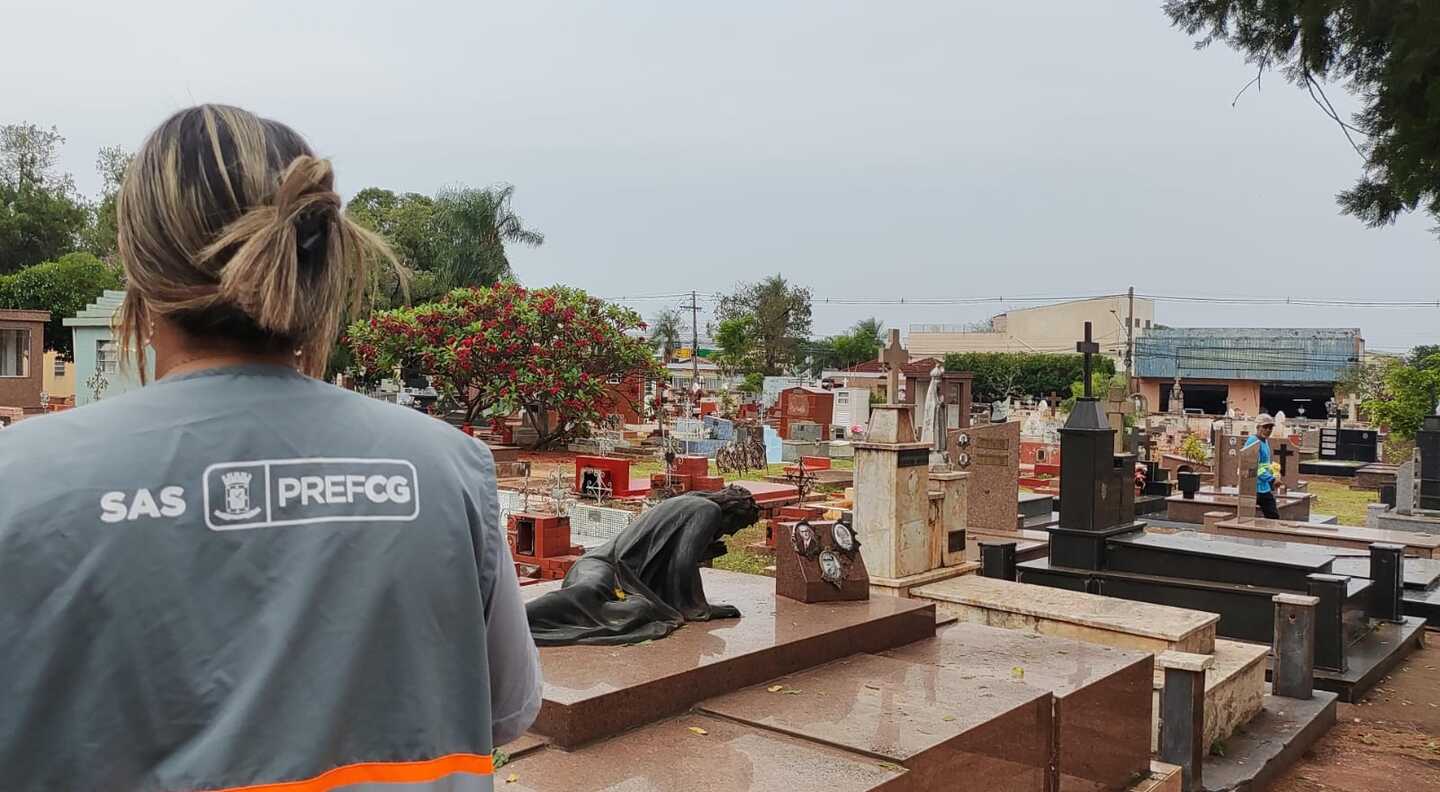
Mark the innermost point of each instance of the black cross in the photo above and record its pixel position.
(1087, 348)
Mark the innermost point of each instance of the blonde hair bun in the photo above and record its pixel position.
(230, 226)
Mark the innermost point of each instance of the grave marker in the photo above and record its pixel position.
(991, 455)
(819, 561)
(1289, 471)
(1115, 414)
(1405, 486)
(1227, 460)
(1248, 473)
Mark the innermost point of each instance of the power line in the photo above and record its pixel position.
(1297, 301)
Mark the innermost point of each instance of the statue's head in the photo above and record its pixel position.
(737, 508)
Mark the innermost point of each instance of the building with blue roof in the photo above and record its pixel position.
(1246, 369)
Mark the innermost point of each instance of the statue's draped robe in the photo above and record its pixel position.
(655, 563)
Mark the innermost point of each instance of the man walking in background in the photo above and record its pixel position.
(1265, 481)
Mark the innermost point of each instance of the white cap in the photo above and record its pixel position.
(1264, 420)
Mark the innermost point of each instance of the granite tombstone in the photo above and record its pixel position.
(990, 453)
(820, 561)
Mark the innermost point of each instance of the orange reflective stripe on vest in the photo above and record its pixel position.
(381, 773)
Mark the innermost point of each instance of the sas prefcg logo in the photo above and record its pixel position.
(272, 492)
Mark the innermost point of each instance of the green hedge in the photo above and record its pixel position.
(1013, 374)
(62, 287)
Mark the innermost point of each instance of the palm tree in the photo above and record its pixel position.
(871, 328)
(474, 226)
(665, 330)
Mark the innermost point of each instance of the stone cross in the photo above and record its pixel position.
(894, 357)
(1087, 347)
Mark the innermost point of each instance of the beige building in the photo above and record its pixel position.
(59, 377)
(1044, 328)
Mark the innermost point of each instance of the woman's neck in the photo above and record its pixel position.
(179, 352)
(184, 361)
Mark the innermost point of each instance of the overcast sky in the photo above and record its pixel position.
(945, 148)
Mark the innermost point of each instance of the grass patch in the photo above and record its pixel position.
(740, 558)
(1338, 499)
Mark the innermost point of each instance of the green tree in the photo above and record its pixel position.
(753, 384)
(735, 345)
(872, 329)
(63, 288)
(665, 330)
(474, 227)
(1423, 356)
(860, 343)
(1385, 51)
(1100, 384)
(780, 320)
(100, 236)
(408, 222)
(1001, 375)
(549, 352)
(1410, 393)
(41, 215)
(1366, 382)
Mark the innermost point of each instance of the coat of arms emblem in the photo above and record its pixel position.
(237, 497)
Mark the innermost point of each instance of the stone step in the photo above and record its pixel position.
(1274, 740)
(592, 692)
(940, 724)
(1063, 613)
(1102, 694)
(1234, 689)
(694, 751)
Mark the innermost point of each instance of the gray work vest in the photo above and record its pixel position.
(243, 577)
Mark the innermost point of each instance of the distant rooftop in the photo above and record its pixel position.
(1272, 354)
(917, 366)
(99, 313)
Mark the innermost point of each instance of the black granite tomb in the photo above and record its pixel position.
(1428, 441)
(1099, 547)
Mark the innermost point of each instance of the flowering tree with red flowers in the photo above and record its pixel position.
(549, 352)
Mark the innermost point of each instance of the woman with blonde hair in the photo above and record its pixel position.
(239, 576)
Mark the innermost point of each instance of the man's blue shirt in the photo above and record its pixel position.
(1263, 482)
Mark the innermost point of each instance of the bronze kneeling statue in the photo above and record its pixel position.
(645, 583)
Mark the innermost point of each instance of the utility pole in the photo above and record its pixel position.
(1130, 343)
(694, 307)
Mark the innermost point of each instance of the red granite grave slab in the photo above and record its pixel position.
(1103, 695)
(768, 492)
(671, 755)
(505, 453)
(597, 691)
(951, 729)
